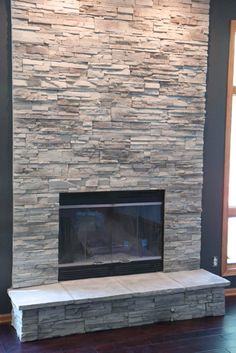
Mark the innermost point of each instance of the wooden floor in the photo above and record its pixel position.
(209, 335)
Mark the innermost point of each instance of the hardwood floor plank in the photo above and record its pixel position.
(5, 318)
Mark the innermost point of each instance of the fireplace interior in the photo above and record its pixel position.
(110, 233)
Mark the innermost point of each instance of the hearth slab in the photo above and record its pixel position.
(40, 296)
(201, 279)
(141, 284)
(85, 290)
(104, 288)
(111, 302)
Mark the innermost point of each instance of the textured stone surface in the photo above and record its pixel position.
(107, 96)
(103, 310)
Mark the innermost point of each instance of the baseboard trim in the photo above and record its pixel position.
(230, 292)
(5, 318)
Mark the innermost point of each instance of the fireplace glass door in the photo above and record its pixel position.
(99, 234)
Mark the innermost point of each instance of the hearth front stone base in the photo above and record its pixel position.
(106, 303)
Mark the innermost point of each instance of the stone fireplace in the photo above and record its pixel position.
(108, 96)
(108, 99)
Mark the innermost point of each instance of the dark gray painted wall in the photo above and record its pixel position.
(222, 12)
(5, 156)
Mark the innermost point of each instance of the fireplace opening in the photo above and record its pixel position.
(110, 233)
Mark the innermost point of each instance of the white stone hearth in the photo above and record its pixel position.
(111, 302)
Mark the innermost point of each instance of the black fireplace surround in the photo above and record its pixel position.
(110, 233)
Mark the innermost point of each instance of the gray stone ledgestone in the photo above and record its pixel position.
(146, 302)
(60, 328)
(115, 318)
(29, 333)
(51, 314)
(25, 324)
(97, 309)
(142, 316)
(182, 312)
(199, 311)
(17, 316)
(73, 310)
(218, 295)
(165, 301)
(30, 317)
(119, 306)
(109, 96)
(164, 315)
(215, 309)
(201, 296)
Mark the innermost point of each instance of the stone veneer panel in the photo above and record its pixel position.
(108, 95)
(34, 324)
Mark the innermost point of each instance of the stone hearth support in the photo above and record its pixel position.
(106, 303)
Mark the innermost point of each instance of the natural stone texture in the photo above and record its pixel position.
(107, 96)
(192, 296)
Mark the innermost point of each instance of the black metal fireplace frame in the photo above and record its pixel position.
(72, 272)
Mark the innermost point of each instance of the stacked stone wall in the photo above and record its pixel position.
(108, 95)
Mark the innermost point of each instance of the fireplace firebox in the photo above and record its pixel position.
(110, 233)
